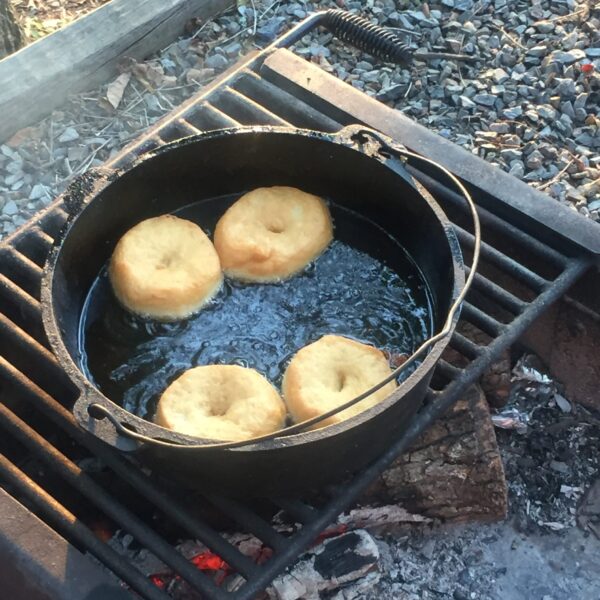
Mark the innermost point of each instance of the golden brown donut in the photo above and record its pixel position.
(271, 233)
(330, 372)
(165, 268)
(221, 402)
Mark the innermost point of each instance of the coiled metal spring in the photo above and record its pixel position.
(373, 39)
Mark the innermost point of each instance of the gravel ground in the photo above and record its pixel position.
(527, 103)
(41, 17)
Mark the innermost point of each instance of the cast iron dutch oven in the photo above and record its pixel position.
(356, 168)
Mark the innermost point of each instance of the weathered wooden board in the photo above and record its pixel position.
(85, 53)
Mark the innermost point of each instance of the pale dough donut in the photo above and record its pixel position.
(221, 402)
(272, 233)
(165, 268)
(330, 372)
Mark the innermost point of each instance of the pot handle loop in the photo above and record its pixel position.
(362, 34)
(388, 149)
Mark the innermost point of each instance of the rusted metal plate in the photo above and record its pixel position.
(38, 564)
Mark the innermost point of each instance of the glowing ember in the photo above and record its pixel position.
(207, 561)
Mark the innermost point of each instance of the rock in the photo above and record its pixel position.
(534, 160)
(566, 87)
(392, 93)
(270, 29)
(10, 208)
(547, 112)
(69, 135)
(512, 113)
(233, 27)
(232, 50)
(580, 101)
(484, 99)
(567, 58)
(38, 191)
(538, 51)
(199, 75)
(593, 52)
(499, 75)
(568, 42)
(466, 102)
(517, 169)
(217, 62)
(545, 26)
(510, 154)
(567, 109)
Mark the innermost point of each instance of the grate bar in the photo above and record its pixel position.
(84, 484)
(446, 369)
(249, 520)
(465, 346)
(244, 109)
(23, 350)
(283, 104)
(218, 117)
(511, 266)
(482, 320)
(20, 269)
(493, 221)
(497, 293)
(67, 522)
(21, 308)
(35, 245)
(129, 472)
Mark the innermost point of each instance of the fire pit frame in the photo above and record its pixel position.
(258, 92)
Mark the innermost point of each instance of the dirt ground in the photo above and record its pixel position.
(41, 17)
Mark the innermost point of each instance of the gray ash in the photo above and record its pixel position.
(549, 467)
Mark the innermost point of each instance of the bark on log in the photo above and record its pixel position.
(11, 34)
(453, 472)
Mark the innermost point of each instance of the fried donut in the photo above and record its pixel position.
(221, 402)
(271, 233)
(330, 372)
(165, 268)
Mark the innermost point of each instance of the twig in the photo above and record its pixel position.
(556, 177)
(407, 31)
(510, 38)
(268, 9)
(560, 18)
(255, 18)
(434, 55)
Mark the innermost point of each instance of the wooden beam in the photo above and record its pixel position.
(85, 54)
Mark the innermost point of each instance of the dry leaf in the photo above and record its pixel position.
(22, 136)
(151, 75)
(115, 90)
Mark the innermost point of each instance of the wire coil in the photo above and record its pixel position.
(372, 39)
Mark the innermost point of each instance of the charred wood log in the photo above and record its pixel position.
(453, 472)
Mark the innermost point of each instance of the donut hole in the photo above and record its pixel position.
(341, 380)
(165, 262)
(275, 226)
(218, 411)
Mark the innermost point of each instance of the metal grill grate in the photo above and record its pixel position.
(527, 266)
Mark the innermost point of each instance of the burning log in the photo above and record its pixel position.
(336, 562)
